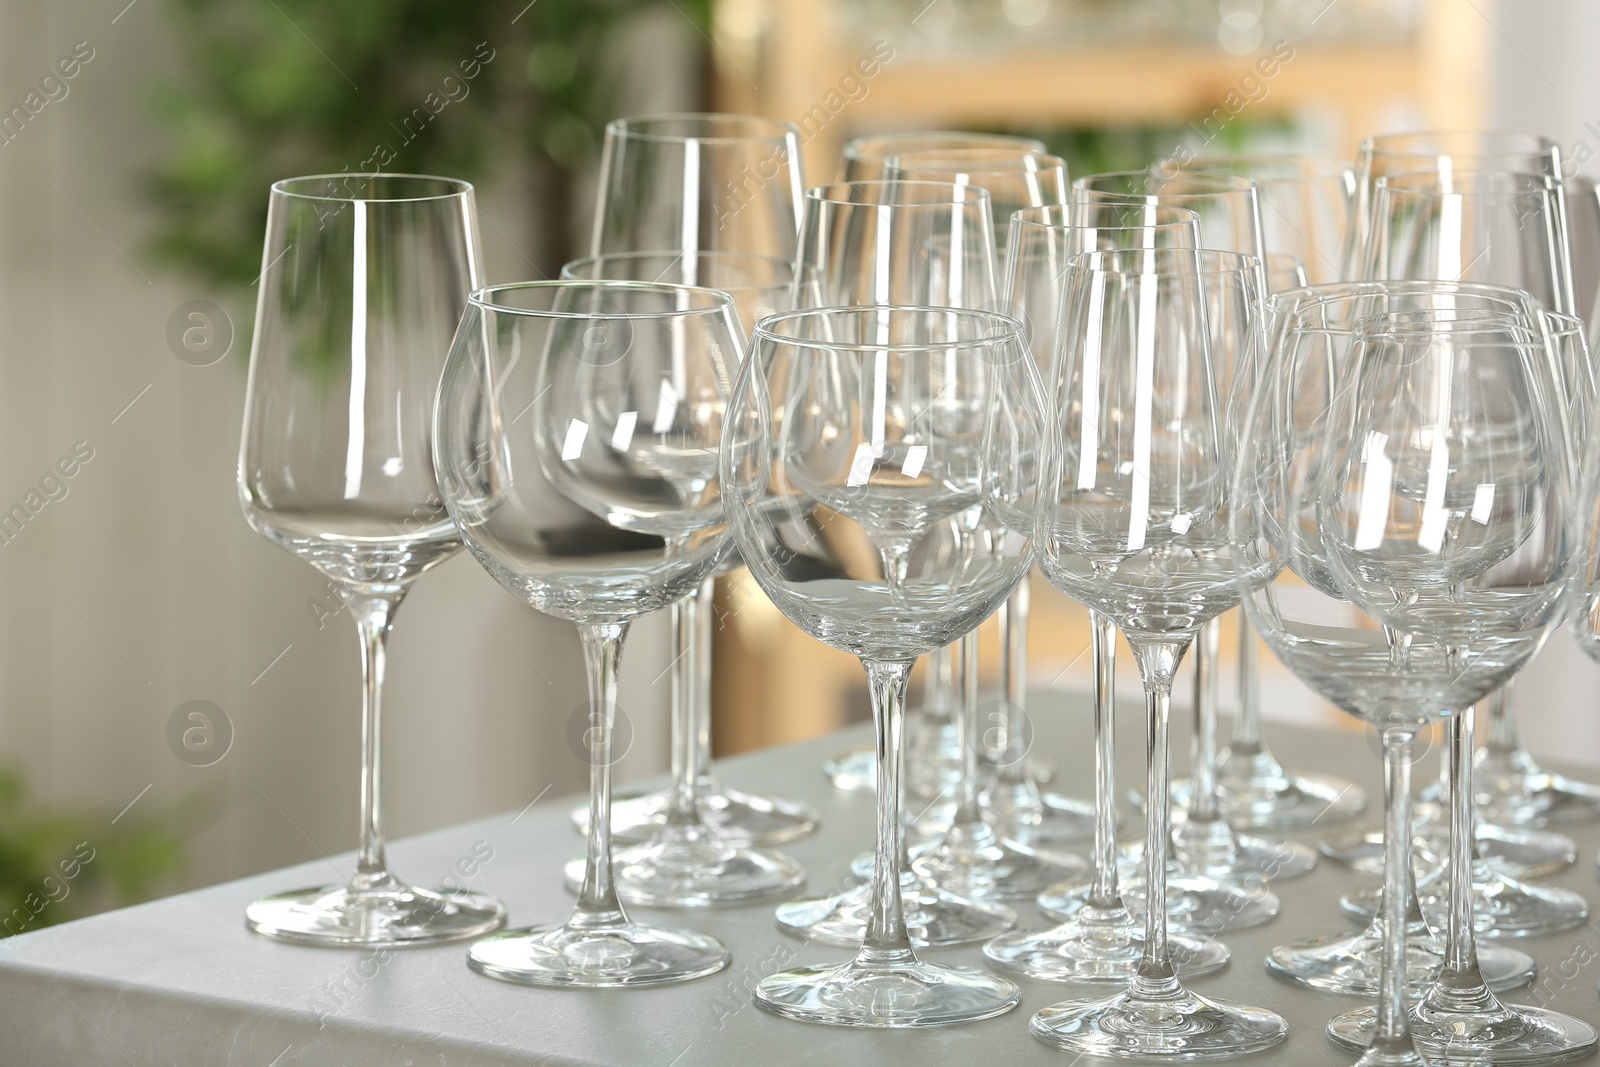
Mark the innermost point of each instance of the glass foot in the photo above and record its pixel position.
(695, 874)
(1558, 798)
(1048, 821)
(399, 915)
(738, 818)
(979, 865)
(1519, 853)
(1350, 963)
(932, 917)
(1179, 1026)
(855, 771)
(1519, 1034)
(1502, 906)
(1275, 799)
(1098, 945)
(618, 954)
(907, 994)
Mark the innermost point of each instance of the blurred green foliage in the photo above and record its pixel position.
(58, 864)
(306, 86)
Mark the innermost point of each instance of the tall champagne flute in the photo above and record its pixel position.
(590, 513)
(864, 158)
(760, 285)
(1138, 532)
(1100, 941)
(1306, 207)
(1446, 508)
(1015, 179)
(706, 186)
(363, 280)
(881, 469)
(1310, 342)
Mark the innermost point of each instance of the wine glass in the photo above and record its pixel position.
(1583, 250)
(864, 158)
(363, 280)
(881, 470)
(1306, 206)
(590, 513)
(678, 858)
(1100, 941)
(1445, 508)
(710, 187)
(1015, 179)
(1138, 532)
(698, 182)
(1310, 342)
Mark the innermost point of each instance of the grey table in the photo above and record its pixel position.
(179, 981)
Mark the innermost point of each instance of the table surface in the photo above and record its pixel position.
(180, 982)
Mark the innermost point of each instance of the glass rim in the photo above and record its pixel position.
(1007, 328)
(853, 149)
(1008, 163)
(629, 126)
(714, 300)
(1318, 166)
(1037, 216)
(965, 194)
(784, 271)
(1225, 184)
(1532, 143)
(1413, 182)
(456, 187)
(1385, 323)
(1327, 292)
(1199, 261)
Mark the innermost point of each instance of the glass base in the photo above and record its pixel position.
(1519, 853)
(1557, 798)
(1240, 856)
(748, 819)
(1098, 945)
(1020, 812)
(1522, 1035)
(855, 771)
(619, 954)
(1297, 800)
(399, 915)
(900, 995)
(695, 874)
(976, 864)
(1351, 963)
(932, 917)
(1182, 1026)
(1501, 906)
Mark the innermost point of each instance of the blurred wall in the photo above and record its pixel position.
(142, 588)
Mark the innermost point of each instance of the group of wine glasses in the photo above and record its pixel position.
(1354, 402)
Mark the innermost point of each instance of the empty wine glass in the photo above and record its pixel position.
(864, 158)
(1445, 505)
(1138, 532)
(715, 189)
(760, 285)
(363, 280)
(1306, 206)
(589, 512)
(1310, 343)
(881, 469)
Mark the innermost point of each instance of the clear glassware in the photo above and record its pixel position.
(1016, 179)
(1446, 512)
(363, 281)
(590, 513)
(1138, 532)
(1310, 341)
(1305, 217)
(863, 159)
(707, 186)
(881, 471)
(760, 285)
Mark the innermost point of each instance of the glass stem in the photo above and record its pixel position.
(1158, 662)
(1393, 1033)
(1207, 689)
(374, 615)
(1103, 890)
(1245, 741)
(597, 897)
(969, 730)
(1012, 769)
(886, 940)
(682, 812)
(699, 718)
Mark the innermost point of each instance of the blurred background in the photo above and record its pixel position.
(133, 196)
